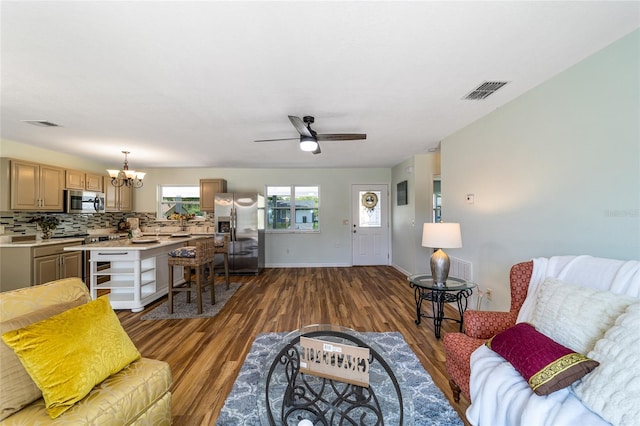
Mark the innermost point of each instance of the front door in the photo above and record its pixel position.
(370, 224)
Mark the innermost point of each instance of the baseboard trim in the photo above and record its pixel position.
(307, 265)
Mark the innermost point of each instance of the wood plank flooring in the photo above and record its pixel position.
(205, 355)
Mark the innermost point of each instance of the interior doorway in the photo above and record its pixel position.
(370, 224)
(437, 199)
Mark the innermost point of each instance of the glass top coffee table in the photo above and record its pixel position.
(455, 290)
(287, 396)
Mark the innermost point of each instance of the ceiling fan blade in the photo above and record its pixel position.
(279, 139)
(341, 136)
(300, 126)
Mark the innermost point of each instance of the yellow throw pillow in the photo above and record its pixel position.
(16, 386)
(68, 354)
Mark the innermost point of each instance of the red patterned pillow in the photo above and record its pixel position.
(546, 365)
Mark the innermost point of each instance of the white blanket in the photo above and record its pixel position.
(617, 276)
(500, 396)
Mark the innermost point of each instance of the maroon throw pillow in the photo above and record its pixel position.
(545, 364)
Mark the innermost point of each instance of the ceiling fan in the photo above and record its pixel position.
(309, 138)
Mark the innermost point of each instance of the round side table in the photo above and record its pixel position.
(454, 290)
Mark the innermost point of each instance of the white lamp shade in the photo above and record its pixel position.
(140, 175)
(441, 235)
(113, 173)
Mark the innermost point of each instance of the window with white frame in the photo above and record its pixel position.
(293, 208)
(179, 199)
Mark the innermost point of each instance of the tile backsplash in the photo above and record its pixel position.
(17, 223)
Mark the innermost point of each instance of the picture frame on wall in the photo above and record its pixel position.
(401, 190)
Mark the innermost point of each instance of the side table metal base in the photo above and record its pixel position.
(425, 289)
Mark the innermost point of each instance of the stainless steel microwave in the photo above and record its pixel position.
(83, 201)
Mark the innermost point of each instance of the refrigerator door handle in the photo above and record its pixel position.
(234, 223)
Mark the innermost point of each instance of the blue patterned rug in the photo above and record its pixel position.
(429, 405)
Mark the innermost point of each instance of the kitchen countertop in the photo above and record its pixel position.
(40, 243)
(128, 244)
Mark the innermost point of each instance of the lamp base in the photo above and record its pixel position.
(440, 267)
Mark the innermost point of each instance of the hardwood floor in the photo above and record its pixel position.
(205, 355)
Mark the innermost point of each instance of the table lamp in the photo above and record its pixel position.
(439, 236)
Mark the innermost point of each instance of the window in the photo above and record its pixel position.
(370, 215)
(293, 208)
(181, 199)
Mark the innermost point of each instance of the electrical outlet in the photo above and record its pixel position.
(488, 293)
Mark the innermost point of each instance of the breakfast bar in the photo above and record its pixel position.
(136, 272)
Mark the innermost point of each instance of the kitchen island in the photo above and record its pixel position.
(134, 272)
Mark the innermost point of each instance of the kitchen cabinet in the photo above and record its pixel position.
(36, 187)
(76, 179)
(93, 182)
(51, 263)
(137, 274)
(208, 190)
(117, 198)
(24, 265)
(73, 179)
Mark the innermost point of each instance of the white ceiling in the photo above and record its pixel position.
(192, 84)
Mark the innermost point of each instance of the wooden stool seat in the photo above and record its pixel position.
(222, 247)
(197, 257)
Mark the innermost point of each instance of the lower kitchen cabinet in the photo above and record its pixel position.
(27, 265)
(57, 266)
(133, 275)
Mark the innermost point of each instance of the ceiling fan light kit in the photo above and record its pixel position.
(308, 144)
(309, 138)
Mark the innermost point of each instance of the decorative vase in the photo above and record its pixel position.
(46, 234)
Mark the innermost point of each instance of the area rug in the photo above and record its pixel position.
(182, 309)
(429, 405)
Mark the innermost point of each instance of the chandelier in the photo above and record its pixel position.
(126, 177)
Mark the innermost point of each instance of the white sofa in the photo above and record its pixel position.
(596, 313)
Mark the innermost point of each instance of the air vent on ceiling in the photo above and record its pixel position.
(484, 90)
(41, 123)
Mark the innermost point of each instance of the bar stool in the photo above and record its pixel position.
(198, 257)
(222, 247)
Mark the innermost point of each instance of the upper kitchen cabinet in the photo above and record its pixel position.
(75, 179)
(117, 198)
(93, 182)
(36, 186)
(208, 190)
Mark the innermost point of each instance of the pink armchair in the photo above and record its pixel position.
(480, 326)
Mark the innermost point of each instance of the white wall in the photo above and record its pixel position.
(556, 171)
(408, 254)
(20, 151)
(330, 247)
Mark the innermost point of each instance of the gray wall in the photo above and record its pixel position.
(554, 172)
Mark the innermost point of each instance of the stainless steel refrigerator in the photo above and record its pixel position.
(241, 215)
